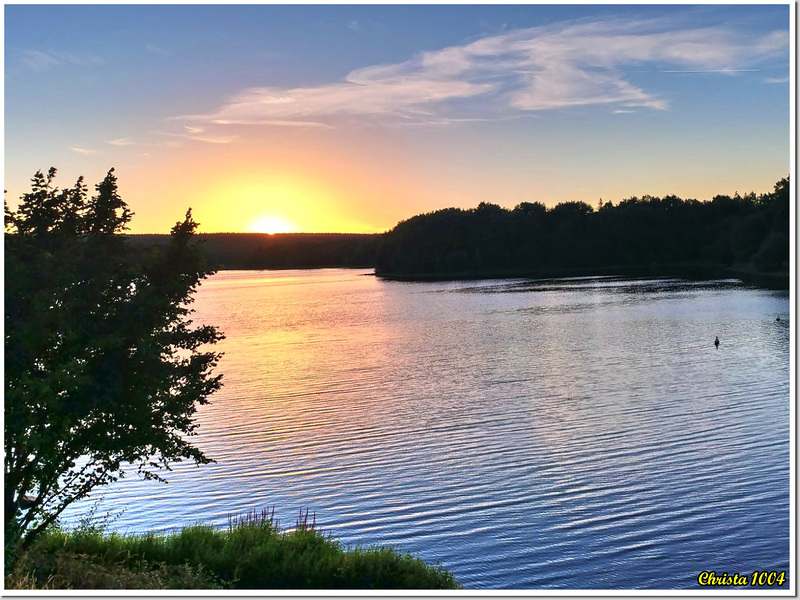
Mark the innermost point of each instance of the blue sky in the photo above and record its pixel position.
(351, 118)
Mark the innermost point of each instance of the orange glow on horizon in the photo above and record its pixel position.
(272, 224)
(286, 201)
(313, 192)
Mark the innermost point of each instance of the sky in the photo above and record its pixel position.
(350, 118)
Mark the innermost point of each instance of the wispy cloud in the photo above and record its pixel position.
(513, 73)
(215, 139)
(84, 151)
(122, 142)
(197, 134)
(776, 80)
(726, 71)
(42, 61)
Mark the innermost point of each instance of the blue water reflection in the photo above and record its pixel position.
(579, 434)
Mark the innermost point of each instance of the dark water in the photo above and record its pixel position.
(573, 433)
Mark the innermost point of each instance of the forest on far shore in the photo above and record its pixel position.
(661, 235)
(280, 250)
(747, 235)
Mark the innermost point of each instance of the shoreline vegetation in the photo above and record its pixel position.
(746, 237)
(252, 553)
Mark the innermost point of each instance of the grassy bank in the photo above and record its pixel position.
(252, 553)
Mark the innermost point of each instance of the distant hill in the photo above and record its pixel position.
(280, 250)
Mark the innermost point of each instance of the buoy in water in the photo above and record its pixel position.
(716, 341)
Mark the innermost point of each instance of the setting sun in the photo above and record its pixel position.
(272, 225)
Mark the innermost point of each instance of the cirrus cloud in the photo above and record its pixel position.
(42, 61)
(507, 75)
(84, 151)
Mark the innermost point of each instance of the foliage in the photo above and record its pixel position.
(653, 233)
(252, 553)
(103, 369)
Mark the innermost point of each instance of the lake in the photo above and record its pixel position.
(528, 434)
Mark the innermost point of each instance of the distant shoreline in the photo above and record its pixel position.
(243, 251)
(247, 251)
(776, 281)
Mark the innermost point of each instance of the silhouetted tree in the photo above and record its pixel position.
(103, 369)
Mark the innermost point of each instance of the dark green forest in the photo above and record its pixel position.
(745, 236)
(748, 234)
(280, 250)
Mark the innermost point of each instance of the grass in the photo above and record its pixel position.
(253, 553)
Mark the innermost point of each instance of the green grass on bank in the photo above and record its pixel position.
(253, 553)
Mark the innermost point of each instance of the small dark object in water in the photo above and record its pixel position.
(777, 318)
(716, 341)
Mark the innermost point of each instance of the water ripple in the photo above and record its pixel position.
(574, 434)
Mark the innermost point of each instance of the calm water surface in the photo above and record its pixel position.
(573, 433)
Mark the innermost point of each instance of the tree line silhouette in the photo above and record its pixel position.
(748, 232)
(280, 250)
